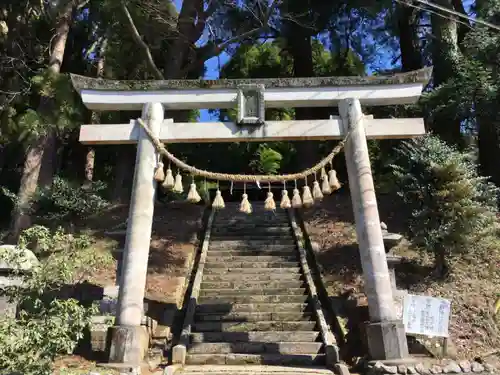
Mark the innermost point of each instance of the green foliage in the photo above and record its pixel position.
(41, 240)
(453, 209)
(268, 160)
(59, 108)
(48, 323)
(65, 200)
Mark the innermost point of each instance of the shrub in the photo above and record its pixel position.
(48, 321)
(41, 240)
(453, 208)
(67, 200)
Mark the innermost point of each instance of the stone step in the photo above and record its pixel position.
(245, 298)
(256, 359)
(252, 285)
(246, 224)
(255, 277)
(274, 251)
(252, 370)
(255, 336)
(234, 317)
(214, 292)
(222, 326)
(269, 238)
(256, 215)
(252, 245)
(246, 230)
(229, 264)
(258, 271)
(292, 348)
(251, 226)
(258, 211)
(256, 222)
(252, 258)
(252, 307)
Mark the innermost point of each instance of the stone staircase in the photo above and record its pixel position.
(253, 300)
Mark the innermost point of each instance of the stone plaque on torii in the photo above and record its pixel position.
(386, 335)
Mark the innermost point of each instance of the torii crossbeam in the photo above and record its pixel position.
(386, 336)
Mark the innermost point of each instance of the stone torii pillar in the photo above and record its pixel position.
(129, 340)
(385, 333)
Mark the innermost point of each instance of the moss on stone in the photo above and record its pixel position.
(88, 83)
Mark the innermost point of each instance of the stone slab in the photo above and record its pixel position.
(249, 317)
(216, 292)
(249, 370)
(252, 307)
(254, 326)
(245, 298)
(290, 348)
(255, 336)
(256, 359)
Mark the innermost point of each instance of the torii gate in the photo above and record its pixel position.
(386, 335)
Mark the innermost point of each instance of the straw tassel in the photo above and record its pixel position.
(245, 206)
(323, 173)
(218, 202)
(285, 200)
(159, 173)
(325, 186)
(307, 199)
(333, 180)
(168, 182)
(296, 200)
(178, 188)
(193, 195)
(270, 204)
(316, 193)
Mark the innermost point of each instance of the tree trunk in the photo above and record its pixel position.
(440, 262)
(3, 152)
(445, 57)
(123, 174)
(89, 166)
(489, 146)
(299, 42)
(488, 119)
(29, 182)
(411, 58)
(462, 29)
(95, 119)
(45, 144)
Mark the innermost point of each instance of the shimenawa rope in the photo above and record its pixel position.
(242, 177)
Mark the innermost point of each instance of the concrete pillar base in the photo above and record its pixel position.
(387, 340)
(179, 354)
(128, 344)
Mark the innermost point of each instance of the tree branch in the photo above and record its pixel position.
(211, 49)
(462, 29)
(140, 42)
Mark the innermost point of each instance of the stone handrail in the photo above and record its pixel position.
(331, 349)
(179, 351)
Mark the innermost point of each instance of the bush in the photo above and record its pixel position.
(66, 200)
(42, 240)
(453, 208)
(48, 322)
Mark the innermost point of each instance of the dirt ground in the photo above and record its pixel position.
(174, 239)
(472, 288)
